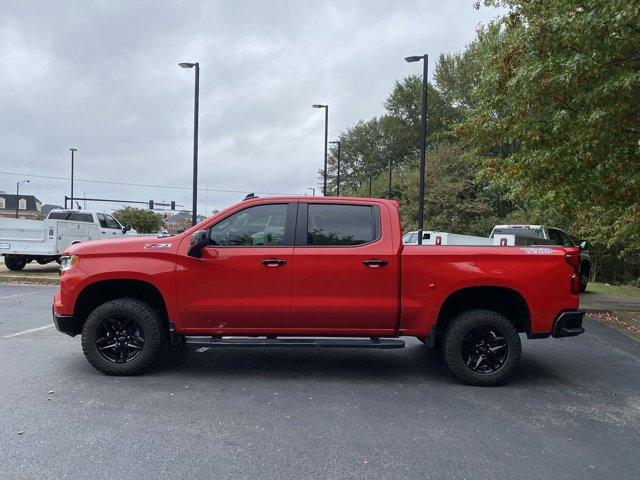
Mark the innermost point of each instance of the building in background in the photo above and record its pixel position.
(47, 207)
(179, 222)
(28, 206)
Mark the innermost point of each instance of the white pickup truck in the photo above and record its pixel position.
(23, 241)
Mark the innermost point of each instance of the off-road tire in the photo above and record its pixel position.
(14, 262)
(149, 321)
(462, 325)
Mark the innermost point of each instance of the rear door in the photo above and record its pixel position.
(345, 273)
(75, 227)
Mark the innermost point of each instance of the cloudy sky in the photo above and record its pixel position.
(103, 77)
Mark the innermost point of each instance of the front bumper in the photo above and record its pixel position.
(568, 324)
(67, 324)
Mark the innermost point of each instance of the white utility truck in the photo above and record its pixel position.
(430, 237)
(23, 241)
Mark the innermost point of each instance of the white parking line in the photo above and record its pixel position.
(24, 332)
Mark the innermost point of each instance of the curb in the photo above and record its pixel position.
(29, 279)
(619, 321)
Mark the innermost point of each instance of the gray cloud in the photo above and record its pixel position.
(103, 76)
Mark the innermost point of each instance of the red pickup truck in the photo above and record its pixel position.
(313, 271)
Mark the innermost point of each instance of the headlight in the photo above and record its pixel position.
(68, 261)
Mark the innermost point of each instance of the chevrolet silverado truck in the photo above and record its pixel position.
(314, 272)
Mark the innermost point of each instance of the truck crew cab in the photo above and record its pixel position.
(314, 271)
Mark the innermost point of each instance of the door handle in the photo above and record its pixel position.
(273, 262)
(375, 263)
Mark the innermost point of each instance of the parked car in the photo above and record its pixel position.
(314, 272)
(543, 235)
(23, 241)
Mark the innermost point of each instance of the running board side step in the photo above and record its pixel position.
(216, 342)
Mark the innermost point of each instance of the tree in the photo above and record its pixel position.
(143, 221)
(555, 113)
(456, 199)
(369, 146)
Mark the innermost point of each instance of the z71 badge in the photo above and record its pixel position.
(157, 245)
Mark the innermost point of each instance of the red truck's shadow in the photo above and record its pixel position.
(415, 362)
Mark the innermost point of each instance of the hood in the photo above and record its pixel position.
(124, 244)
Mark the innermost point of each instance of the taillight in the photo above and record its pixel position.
(573, 259)
(575, 283)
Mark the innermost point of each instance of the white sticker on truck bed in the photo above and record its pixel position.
(537, 251)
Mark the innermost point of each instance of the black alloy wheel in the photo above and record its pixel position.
(120, 339)
(484, 349)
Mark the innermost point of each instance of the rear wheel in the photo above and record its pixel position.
(15, 262)
(482, 348)
(122, 337)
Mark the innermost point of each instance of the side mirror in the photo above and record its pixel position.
(584, 245)
(126, 228)
(199, 240)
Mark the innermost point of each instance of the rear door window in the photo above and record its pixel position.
(334, 224)
(559, 237)
(72, 216)
(81, 217)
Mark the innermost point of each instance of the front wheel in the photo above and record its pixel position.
(122, 337)
(482, 348)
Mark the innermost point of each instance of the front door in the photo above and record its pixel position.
(242, 283)
(109, 226)
(345, 273)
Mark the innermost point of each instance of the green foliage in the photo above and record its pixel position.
(456, 199)
(536, 121)
(555, 113)
(143, 221)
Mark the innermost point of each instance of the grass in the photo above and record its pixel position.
(614, 289)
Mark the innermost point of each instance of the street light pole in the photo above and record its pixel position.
(73, 150)
(313, 191)
(18, 193)
(337, 142)
(423, 139)
(196, 107)
(326, 135)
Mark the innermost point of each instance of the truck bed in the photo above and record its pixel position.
(433, 274)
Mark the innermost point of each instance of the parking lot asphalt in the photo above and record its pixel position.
(571, 411)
